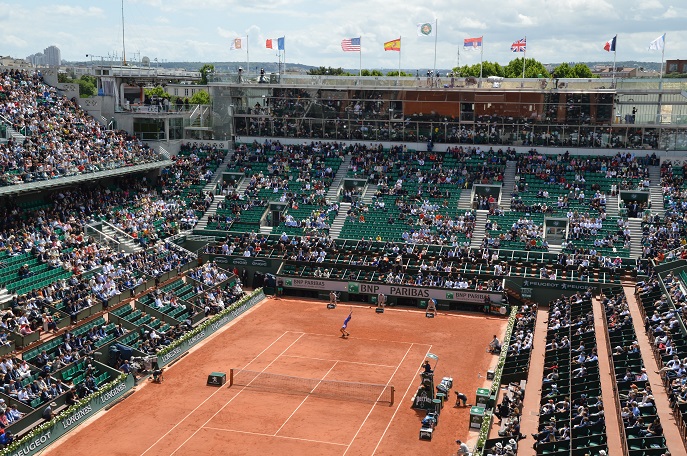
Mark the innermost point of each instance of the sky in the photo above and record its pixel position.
(201, 30)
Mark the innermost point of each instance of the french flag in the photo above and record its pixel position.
(610, 44)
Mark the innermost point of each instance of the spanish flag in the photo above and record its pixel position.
(393, 45)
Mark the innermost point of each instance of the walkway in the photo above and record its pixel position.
(608, 390)
(672, 434)
(529, 423)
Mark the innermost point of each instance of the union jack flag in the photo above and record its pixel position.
(519, 46)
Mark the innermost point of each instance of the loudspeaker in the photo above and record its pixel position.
(217, 379)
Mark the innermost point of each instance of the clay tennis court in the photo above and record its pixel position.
(300, 338)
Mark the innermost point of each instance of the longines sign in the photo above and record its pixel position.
(390, 290)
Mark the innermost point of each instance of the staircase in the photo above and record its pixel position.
(508, 184)
(5, 296)
(338, 223)
(126, 242)
(465, 200)
(211, 187)
(612, 206)
(15, 135)
(369, 193)
(333, 192)
(655, 191)
(635, 237)
(479, 231)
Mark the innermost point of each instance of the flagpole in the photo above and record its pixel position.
(481, 60)
(615, 52)
(400, 49)
(524, 58)
(660, 82)
(436, 36)
(247, 58)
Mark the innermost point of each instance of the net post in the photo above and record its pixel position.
(392, 396)
(231, 377)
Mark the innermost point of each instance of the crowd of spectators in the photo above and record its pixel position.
(61, 139)
(209, 274)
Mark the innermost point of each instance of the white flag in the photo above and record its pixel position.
(658, 43)
(425, 29)
(237, 44)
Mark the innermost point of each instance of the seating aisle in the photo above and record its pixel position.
(671, 432)
(530, 411)
(614, 442)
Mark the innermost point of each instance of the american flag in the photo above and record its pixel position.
(519, 46)
(351, 44)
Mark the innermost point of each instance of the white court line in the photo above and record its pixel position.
(373, 340)
(236, 395)
(276, 436)
(380, 395)
(305, 399)
(338, 361)
(396, 411)
(210, 396)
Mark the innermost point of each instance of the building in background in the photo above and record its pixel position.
(51, 56)
(676, 66)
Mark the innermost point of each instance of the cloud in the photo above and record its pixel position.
(77, 12)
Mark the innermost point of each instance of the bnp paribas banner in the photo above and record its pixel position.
(445, 294)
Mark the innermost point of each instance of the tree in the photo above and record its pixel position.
(563, 71)
(581, 70)
(200, 97)
(87, 86)
(533, 69)
(204, 71)
(395, 73)
(158, 92)
(328, 71)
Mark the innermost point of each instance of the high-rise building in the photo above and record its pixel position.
(51, 56)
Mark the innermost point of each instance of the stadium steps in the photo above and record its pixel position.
(465, 201)
(15, 135)
(126, 242)
(555, 248)
(242, 186)
(671, 432)
(635, 237)
(5, 297)
(479, 231)
(338, 222)
(266, 229)
(606, 379)
(211, 187)
(508, 183)
(612, 206)
(370, 191)
(655, 191)
(333, 192)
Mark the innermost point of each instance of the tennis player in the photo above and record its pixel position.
(345, 333)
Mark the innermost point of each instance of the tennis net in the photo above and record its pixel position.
(332, 389)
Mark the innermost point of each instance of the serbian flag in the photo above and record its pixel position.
(472, 43)
(610, 44)
(393, 45)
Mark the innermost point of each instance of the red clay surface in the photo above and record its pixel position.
(183, 416)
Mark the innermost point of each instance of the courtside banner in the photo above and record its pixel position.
(443, 294)
(44, 435)
(188, 340)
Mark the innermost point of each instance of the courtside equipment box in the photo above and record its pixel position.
(429, 314)
(379, 310)
(490, 375)
(426, 433)
(331, 306)
(217, 379)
